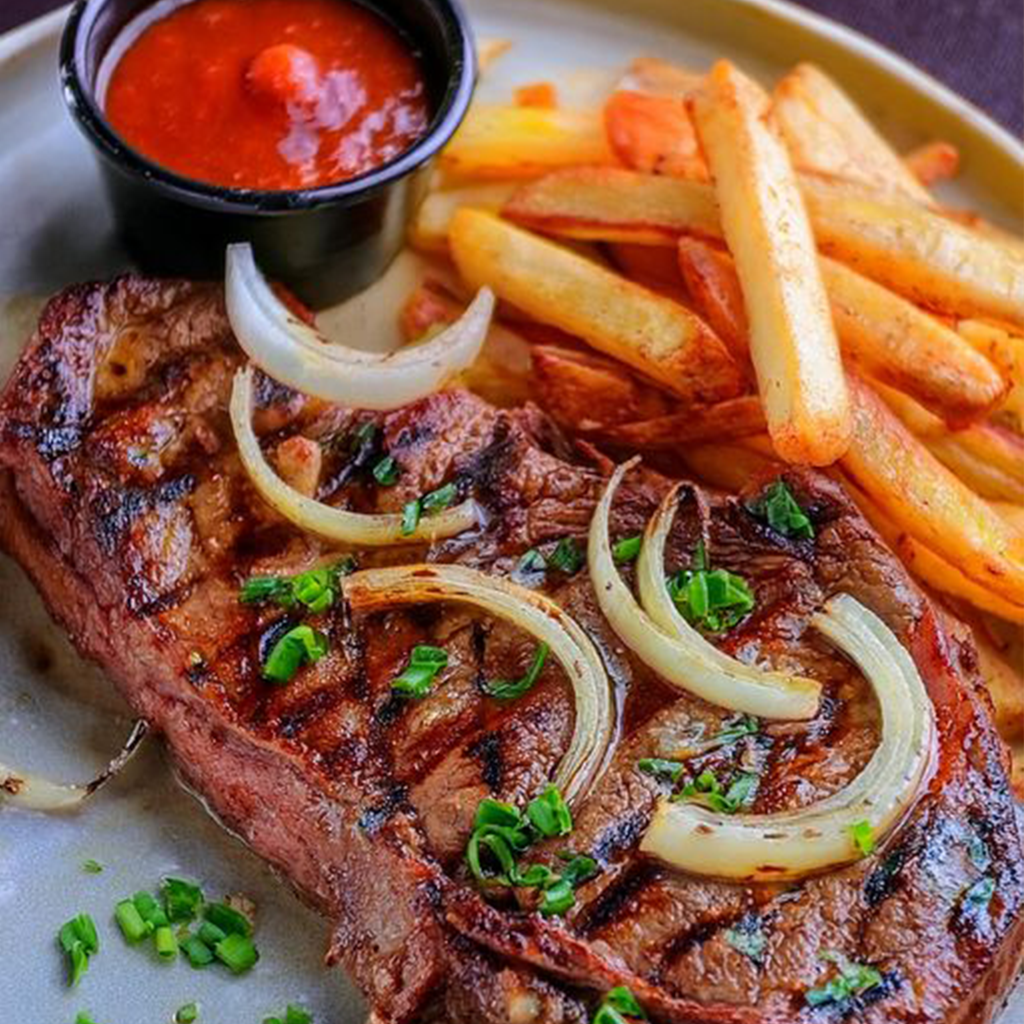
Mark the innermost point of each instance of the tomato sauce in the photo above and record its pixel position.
(269, 94)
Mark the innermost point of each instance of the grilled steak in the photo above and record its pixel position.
(122, 496)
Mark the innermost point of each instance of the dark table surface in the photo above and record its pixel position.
(974, 46)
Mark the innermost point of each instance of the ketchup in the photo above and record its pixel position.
(269, 94)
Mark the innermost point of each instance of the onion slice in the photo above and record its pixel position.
(37, 793)
(682, 656)
(793, 844)
(296, 354)
(333, 523)
(587, 753)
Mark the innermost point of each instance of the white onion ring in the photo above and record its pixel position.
(298, 355)
(793, 844)
(587, 753)
(333, 523)
(673, 653)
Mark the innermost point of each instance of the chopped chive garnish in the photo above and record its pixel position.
(182, 899)
(79, 941)
(411, 516)
(131, 922)
(782, 512)
(166, 943)
(549, 814)
(152, 913)
(297, 1015)
(853, 979)
(619, 1006)
(210, 933)
(627, 549)
(709, 792)
(439, 500)
(227, 919)
(237, 953)
(92, 867)
(315, 589)
(711, 599)
(301, 645)
(187, 1014)
(510, 689)
(567, 556)
(529, 570)
(863, 836)
(84, 1018)
(387, 471)
(197, 952)
(418, 675)
(661, 768)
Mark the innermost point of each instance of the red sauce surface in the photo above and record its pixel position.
(269, 94)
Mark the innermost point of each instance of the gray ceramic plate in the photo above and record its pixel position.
(59, 714)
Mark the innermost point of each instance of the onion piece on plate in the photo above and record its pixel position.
(37, 793)
(682, 656)
(587, 753)
(296, 354)
(793, 844)
(333, 523)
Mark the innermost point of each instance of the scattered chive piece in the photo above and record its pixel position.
(92, 867)
(197, 952)
(315, 589)
(301, 645)
(661, 768)
(210, 933)
(418, 675)
(711, 599)
(782, 512)
(151, 911)
(567, 556)
(227, 919)
(411, 516)
(863, 837)
(84, 1018)
(627, 549)
(733, 730)
(530, 568)
(79, 941)
(297, 1015)
(619, 1006)
(182, 899)
(549, 814)
(166, 943)
(130, 921)
(237, 953)
(187, 1014)
(709, 792)
(509, 690)
(853, 979)
(439, 500)
(387, 471)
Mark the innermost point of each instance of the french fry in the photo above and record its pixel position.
(792, 341)
(542, 95)
(725, 421)
(918, 252)
(1005, 685)
(932, 162)
(611, 204)
(663, 340)
(657, 77)
(928, 502)
(1005, 350)
(1011, 512)
(989, 459)
(429, 231)
(648, 265)
(653, 134)
(827, 134)
(496, 141)
(729, 467)
(711, 280)
(488, 50)
(585, 391)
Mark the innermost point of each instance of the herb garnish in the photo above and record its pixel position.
(301, 645)
(428, 505)
(709, 792)
(418, 675)
(187, 1014)
(863, 836)
(661, 768)
(387, 471)
(853, 979)
(92, 867)
(567, 556)
(510, 689)
(711, 599)
(292, 1015)
(79, 941)
(530, 568)
(315, 589)
(782, 512)
(627, 549)
(619, 1006)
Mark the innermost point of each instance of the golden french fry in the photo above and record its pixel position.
(543, 95)
(429, 231)
(581, 390)
(657, 77)
(932, 162)
(792, 341)
(1005, 350)
(658, 337)
(653, 266)
(713, 285)
(488, 50)
(725, 421)
(729, 467)
(653, 134)
(927, 501)
(828, 134)
(1011, 512)
(611, 204)
(496, 141)
(918, 252)
(1005, 685)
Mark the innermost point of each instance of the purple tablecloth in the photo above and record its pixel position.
(974, 46)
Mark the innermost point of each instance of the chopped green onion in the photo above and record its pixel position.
(711, 599)
(782, 512)
(509, 689)
(301, 645)
(627, 549)
(863, 837)
(439, 500)
(92, 867)
(549, 814)
(152, 913)
(197, 952)
(661, 768)
(315, 589)
(411, 516)
(618, 1007)
(182, 899)
(567, 556)
(853, 979)
(187, 1014)
(210, 933)
(530, 568)
(237, 953)
(415, 680)
(84, 1018)
(708, 791)
(227, 919)
(79, 941)
(297, 1015)
(387, 471)
(130, 921)
(166, 943)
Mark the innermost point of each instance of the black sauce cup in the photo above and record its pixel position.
(325, 243)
